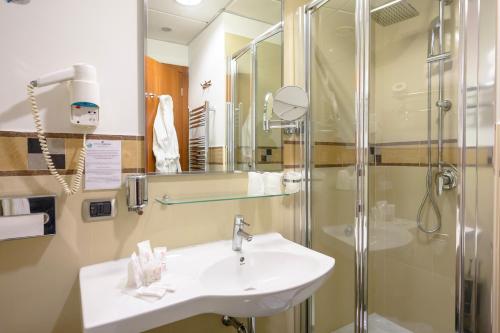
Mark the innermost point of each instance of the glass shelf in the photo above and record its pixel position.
(216, 197)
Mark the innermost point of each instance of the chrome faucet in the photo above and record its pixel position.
(238, 233)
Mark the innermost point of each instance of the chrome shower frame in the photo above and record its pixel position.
(468, 59)
(362, 156)
(232, 68)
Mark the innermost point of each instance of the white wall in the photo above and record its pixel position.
(242, 26)
(207, 62)
(33, 44)
(167, 53)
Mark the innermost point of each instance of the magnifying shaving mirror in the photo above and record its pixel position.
(289, 103)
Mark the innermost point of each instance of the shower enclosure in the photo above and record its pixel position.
(399, 163)
(255, 70)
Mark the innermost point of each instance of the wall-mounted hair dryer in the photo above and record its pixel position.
(84, 92)
(84, 97)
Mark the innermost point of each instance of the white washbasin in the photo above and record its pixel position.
(382, 235)
(270, 275)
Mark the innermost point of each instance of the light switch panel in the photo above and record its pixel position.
(98, 209)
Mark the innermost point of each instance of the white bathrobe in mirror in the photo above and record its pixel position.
(165, 144)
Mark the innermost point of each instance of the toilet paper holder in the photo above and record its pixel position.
(27, 216)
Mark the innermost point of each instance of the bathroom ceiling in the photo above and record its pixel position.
(268, 11)
(187, 22)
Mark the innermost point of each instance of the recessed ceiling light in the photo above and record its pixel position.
(188, 2)
(166, 29)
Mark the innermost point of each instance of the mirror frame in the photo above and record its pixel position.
(142, 53)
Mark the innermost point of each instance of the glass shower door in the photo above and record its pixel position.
(268, 74)
(243, 116)
(413, 142)
(332, 87)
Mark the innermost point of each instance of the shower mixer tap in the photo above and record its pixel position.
(446, 179)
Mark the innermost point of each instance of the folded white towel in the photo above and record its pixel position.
(273, 182)
(255, 183)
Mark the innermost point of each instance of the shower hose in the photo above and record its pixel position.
(429, 195)
(77, 181)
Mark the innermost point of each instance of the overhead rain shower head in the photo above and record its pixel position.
(393, 12)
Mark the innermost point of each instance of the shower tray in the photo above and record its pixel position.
(376, 324)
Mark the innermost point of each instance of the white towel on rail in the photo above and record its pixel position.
(165, 144)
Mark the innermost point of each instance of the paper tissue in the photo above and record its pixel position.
(147, 273)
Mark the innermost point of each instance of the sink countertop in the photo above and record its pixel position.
(106, 308)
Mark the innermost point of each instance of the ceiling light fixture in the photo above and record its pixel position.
(188, 2)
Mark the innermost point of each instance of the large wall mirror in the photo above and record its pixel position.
(209, 66)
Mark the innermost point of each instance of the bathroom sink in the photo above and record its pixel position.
(262, 283)
(270, 275)
(382, 235)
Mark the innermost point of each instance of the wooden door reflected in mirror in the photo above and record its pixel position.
(172, 80)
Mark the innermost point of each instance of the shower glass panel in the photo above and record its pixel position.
(412, 173)
(242, 106)
(332, 89)
(268, 80)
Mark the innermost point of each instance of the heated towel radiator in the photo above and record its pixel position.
(198, 138)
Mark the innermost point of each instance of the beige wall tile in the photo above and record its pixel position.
(292, 154)
(72, 148)
(14, 153)
(403, 154)
(216, 155)
(133, 154)
(325, 154)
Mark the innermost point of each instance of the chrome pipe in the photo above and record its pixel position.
(235, 323)
(251, 325)
(442, 4)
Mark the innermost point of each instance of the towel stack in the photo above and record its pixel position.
(146, 272)
(267, 183)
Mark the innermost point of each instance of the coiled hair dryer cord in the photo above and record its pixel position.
(77, 181)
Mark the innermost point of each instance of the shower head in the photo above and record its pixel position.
(393, 12)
